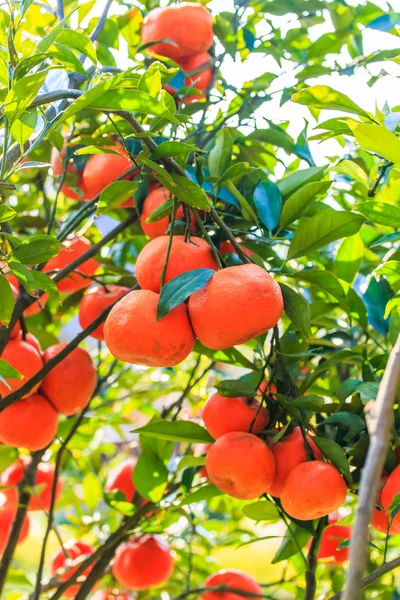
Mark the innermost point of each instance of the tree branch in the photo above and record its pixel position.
(311, 582)
(100, 25)
(377, 574)
(220, 588)
(23, 501)
(380, 430)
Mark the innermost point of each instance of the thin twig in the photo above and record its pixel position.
(374, 576)
(380, 427)
(101, 22)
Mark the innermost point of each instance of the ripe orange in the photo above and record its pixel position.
(227, 248)
(26, 359)
(332, 537)
(154, 199)
(102, 169)
(389, 491)
(70, 385)
(121, 479)
(133, 334)
(31, 423)
(94, 302)
(74, 248)
(34, 308)
(201, 450)
(17, 327)
(222, 415)
(289, 453)
(201, 80)
(30, 339)
(7, 516)
(75, 550)
(231, 578)
(44, 480)
(187, 25)
(237, 304)
(184, 256)
(57, 167)
(313, 490)
(241, 465)
(142, 563)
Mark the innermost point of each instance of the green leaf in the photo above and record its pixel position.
(394, 506)
(37, 249)
(381, 213)
(46, 284)
(323, 228)
(368, 390)
(232, 388)
(176, 431)
(326, 281)
(23, 274)
(7, 370)
(180, 288)
(191, 461)
(236, 171)
(204, 493)
(133, 101)
(299, 202)
(247, 210)
(22, 93)
(349, 257)
(335, 453)
(150, 81)
(6, 213)
(350, 421)
(323, 96)
(231, 356)
(268, 201)
(168, 149)
(297, 180)
(151, 475)
(295, 539)
(78, 41)
(65, 56)
(164, 210)
(162, 174)
(23, 127)
(391, 237)
(189, 192)
(25, 4)
(97, 150)
(6, 301)
(115, 194)
(48, 39)
(297, 309)
(262, 510)
(379, 140)
(310, 402)
(219, 158)
(92, 490)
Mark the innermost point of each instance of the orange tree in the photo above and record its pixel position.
(199, 314)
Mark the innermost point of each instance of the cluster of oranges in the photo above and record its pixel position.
(187, 45)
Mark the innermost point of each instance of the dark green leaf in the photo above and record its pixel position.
(236, 387)
(177, 431)
(231, 356)
(168, 149)
(297, 309)
(335, 453)
(298, 202)
(189, 192)
(180, 288)
(268, 201)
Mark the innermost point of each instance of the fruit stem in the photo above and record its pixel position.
(171, 236)
(209, 240)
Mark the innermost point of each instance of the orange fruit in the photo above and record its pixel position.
(288, 453)
(200, 450)
(57, 167)
(201, 80)
(133, 334)
(74, 550)
(102, 169)
(70, 384)
(238, 415)
(237, 304)
(26, 359)
(187, 25)
(30, 339)
(44, 480)
(241, 465)
(107, 594)
(121, 479)
(7, 516)
(227, 248)
(389, 491)
(184, 256)
(94, 302)
(34, 308)
(152, 201)
(74, 248)
(142, 563)
(31, 423)
(332, 537)
(230, 578)
(313, 490)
